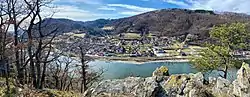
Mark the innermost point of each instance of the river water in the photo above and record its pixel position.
(116, 70)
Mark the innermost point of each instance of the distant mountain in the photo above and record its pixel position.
(165, 22)
(63, 25)
(66, 25)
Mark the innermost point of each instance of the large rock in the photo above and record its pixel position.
(222, 88)
(175, 84)
(129, 87)
(184, 85)
(160, 73)
(238, 88)
(241, 86)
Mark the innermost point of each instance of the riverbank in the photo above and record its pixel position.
(142, 60)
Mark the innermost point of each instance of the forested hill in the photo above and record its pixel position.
(175, 22)
(165, 22)
(66, 25)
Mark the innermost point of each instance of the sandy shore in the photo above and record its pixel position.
(134, 62)
(141, 60)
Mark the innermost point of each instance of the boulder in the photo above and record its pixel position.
(194, 86)
(241, 86)
(212, 80)
(185, 85)
(128, 87)
(175, 84)
(222, 88)
(160, 73)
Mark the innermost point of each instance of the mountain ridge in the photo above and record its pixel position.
(164, 22)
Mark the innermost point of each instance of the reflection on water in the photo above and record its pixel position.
(114, 70)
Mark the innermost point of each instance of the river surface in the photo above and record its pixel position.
(116, 70)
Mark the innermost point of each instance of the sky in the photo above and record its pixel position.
(87, 10)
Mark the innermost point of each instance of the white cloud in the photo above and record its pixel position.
(81, 1)
(132, 7)
(88, 1)
(176, 2)
(121, 10)
(129, 13)
(72, 12)
(75, 13)
(106, 8)
(240, 6)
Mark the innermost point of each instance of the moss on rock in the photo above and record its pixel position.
(162, 71)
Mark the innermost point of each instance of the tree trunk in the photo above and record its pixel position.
(23, 72)
(20, 73)
(83, 84)
(43, 76)
(5, 63)
(57, 82)
(225, 72)
(30, 53)
(61, 85)
(32, 67)
(38, 68)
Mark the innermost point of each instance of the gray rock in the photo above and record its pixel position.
(194, 85)
(212, 80)
(160, 73)
(241, 86)
(184, 85)
(222, 83)
(222, 88)
(129, 87)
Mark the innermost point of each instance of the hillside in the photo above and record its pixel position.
(66, 25)
(176, 22)
(165, 22)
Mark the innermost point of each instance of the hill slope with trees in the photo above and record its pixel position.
(165, 22)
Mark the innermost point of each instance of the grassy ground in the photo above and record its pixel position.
(28, 92)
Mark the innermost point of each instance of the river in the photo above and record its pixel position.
(116, 70)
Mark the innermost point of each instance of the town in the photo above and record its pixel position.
(133, 46)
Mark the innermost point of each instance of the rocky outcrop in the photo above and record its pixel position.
(129, 87)
(179, 85)
(162, 71)
(184, 85)
(238, 88)
(241, 86)
(222, 88)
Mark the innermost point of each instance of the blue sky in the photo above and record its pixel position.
(85, 10)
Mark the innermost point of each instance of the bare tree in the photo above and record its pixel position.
(18, 12)
(87, 78)
(35, 56)
(4, 26)
(84, 67)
